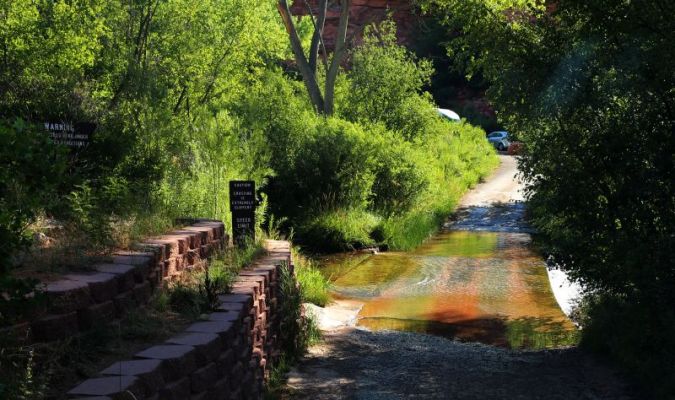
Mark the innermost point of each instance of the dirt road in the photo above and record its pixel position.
(352, 363)
(501, 187)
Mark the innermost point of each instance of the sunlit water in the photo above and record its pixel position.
(467, 282)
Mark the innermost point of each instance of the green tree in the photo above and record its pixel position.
(589, 86)
(386, 82)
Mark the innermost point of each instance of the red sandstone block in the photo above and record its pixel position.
(248, 279)
(102, 286)
(65, 296)
(96, 315)
(248, 323)
(224, 329)
(150, 373)
(179, 390)
(235, 394)
(142, 292)
(124, 302)
(245, 299)
(221, 389)
(54, 327)
(114, 387)
(179, 360)
(194, 239)
(246, 290)
(182, 239)
(182, 262)
(205, 233)
(138, 259)
(201, 396)
(173, 245)
(208, 345)
(205, 251)
(238, 308)
(271, 269)
(247, 381)
(139, 256)
(230, 316)
(251, 273)
(237, 372)
(276, 260)
(123, 272)
(277, 245)
(204, 378)
(193, 257)
(217, 226)
(245, 351)
(225, 361)
(165, 269)
(158, 251)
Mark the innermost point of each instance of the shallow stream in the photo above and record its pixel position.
(477, 280)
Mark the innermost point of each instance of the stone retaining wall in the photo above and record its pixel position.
(222, 357)
(81, 301)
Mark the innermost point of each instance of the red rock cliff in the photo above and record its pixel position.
(362, 13)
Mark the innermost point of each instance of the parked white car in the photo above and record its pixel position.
(499, 139)
(448, 114)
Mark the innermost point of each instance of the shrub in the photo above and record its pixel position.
(32, 172)
(386, 80)
(338, 230)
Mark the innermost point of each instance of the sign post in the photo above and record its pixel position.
(242, 206)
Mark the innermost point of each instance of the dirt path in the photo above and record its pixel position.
(352, 363)
(501, 187)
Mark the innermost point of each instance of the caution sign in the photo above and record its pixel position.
(242, 206)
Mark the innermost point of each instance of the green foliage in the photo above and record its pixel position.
(385, 82)
(638, 339)
(343, 185)
(313, 285)
(338, 229)
(293, 326)
(19, 376)
(31, 171)
(589, 88)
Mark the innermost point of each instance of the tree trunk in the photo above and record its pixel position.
(338, 57)
(317, 38)
(308, 75)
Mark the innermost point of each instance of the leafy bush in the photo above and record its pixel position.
(313, 285)
(338, 229)
(385, 82)
(598, 126)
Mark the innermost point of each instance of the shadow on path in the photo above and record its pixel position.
(401, 365)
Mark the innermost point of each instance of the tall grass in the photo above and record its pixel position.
(314, 286)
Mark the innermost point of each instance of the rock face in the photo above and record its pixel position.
(362, 13)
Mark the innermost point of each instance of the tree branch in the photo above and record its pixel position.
(309, 77)
(317, 37)
(338, 56)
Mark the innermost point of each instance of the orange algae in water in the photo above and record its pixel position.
(476, 286)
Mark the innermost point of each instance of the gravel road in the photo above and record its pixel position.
(353, 363)
(356, 364)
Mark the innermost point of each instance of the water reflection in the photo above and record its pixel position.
(472, 285)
